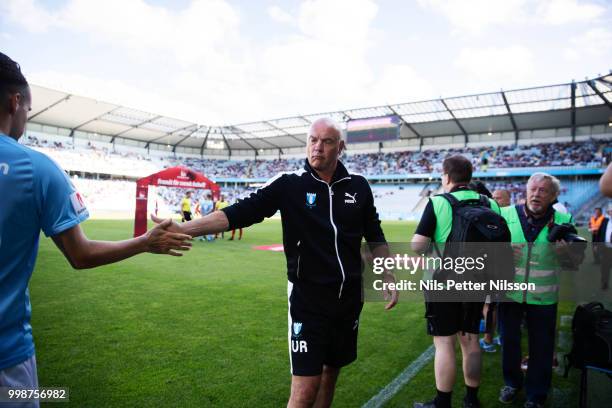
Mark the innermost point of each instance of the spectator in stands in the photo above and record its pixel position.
(186, 207)
(502, 197)
(37, 195)
(529, 227)
(603, 241)
(594, 225)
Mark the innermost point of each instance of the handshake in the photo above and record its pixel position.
(166, 238)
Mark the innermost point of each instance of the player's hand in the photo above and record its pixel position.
(172, 226)
(390, 295)
(161, 240)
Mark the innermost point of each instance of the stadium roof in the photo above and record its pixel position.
(567, 105)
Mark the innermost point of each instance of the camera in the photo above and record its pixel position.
(576, 244)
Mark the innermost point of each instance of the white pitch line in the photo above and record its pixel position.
(401, 380)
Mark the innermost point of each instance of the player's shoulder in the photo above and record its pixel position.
(39, 161)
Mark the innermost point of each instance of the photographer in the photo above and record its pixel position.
(533, 226)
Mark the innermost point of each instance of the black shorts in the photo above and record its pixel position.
(187, 215)
(322, 328)
(449, 318)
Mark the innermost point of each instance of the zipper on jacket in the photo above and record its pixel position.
(331, 220)
(298, 261)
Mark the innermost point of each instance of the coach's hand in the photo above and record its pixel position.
(390, 295)
(170, 225)
(163, 240)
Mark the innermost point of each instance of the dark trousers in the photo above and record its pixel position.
(541, 323)
(605, 265)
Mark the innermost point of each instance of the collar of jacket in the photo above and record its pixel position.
(340, 173)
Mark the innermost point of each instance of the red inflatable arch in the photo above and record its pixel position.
(179, 177)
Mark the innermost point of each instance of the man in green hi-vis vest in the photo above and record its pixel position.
(536, 262)
(447, 321)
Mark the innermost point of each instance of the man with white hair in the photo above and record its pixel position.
(536, 262)
(325, 214)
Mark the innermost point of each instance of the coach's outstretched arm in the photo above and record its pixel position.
(211, 224)
(251, 210)
(83, 253)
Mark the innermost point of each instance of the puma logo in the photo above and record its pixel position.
(350, 199)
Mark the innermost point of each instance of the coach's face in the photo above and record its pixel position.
(324, 147)
(540, 195)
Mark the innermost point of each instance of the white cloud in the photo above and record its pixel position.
(568, 11)
(595, 43)
(474, 16)
(400, 83)
(213, 74)
(25, 12)
(496, 64)
(279, 15)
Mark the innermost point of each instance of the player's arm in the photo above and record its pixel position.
(83, 253)
(425, 230)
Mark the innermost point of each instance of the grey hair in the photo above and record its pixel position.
(329, 122)
(545, 176)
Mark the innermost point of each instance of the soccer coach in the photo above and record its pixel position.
(325, 213)
(37, 194)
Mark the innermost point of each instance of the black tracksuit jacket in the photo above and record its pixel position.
(323, 224)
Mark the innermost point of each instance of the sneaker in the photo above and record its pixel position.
(487, 347)
(533, 404)
(497, 341)
(525, 363)
(507, 394)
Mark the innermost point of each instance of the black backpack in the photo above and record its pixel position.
(475, 221)
(592, 338)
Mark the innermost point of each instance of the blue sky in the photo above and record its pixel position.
(220, 61)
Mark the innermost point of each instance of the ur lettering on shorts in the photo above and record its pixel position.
(318, 337)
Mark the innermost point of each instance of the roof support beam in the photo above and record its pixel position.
(204, 143)
(514, 127)
(465, 135)
(65, 98)
(408, 125)
(171, 133)
(285, 132)
(94, 119)
(226, 144)
(184, 138)
(573, 111)
(598, 92)
(152, 119)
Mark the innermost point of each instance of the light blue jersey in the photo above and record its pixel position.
(35, 194)
(206, 207)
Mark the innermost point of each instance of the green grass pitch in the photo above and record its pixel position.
(210, 329)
